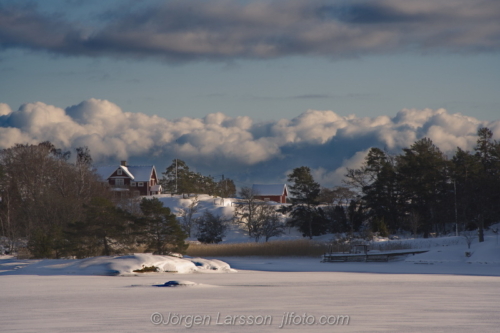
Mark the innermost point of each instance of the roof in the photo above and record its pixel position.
(269, 189)
(139, 173)
(105, 171)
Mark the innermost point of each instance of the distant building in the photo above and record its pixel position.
(141, 179)
(270, 192)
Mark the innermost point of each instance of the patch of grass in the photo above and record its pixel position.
(295, 248)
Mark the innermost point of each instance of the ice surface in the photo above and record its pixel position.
(374, 301)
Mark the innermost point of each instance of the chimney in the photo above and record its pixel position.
(124, 163)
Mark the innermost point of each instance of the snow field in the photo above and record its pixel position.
(373, 302)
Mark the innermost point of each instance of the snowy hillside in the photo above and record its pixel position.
(224, 207)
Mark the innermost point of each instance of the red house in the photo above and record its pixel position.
(270, 192)
(141, 179)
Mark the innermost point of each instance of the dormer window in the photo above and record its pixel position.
(119, 172)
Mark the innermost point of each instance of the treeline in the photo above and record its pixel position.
(61, 209)
(178, 178)
(420, 190)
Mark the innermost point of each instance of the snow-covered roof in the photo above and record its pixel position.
(269, 189)
(139, 173)
(105, 171)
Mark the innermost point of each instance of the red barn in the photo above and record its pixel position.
(270, 192)
(141, 179)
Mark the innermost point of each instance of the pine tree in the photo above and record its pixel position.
(178, 178)
(305, 193)
(423, 181)
(160, 228)
(211, 228)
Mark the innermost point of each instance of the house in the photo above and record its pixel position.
(270, 192)
(141, 179)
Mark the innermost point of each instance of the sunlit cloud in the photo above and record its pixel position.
(322, 140)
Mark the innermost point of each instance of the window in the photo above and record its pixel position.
(119, 182)
(119, 172)
(267, 199)
(140, 184)
(132, 183)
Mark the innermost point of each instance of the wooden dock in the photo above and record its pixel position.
(367, 256)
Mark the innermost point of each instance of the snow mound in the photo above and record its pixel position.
(211, 265)
(119, 265)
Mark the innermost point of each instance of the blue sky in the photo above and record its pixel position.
(263, 89)
(266, 60)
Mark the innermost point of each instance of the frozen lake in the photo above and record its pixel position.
(302, 290)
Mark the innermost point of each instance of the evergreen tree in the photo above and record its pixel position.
(305, 191)
(225, 188)
(477, 180)
(178, 178)
(160, 228)
(382, 195)
(423, 179)
(211, 228)
(104, 230)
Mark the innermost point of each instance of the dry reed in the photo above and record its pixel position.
(296, 248)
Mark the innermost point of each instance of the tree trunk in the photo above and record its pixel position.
(481, 229)
(106, 246)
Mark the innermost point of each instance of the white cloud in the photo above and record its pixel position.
(335, 177)
(5, 109)
(216, 144)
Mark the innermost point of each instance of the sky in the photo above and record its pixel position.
(249, 89)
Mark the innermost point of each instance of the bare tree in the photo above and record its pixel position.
(271, 224)
(260, 218)
(246, 213)
(42, 192)
(186, 214)
(469, 236)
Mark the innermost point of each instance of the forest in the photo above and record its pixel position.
(421, 190)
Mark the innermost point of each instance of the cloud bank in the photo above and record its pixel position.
(180, 30)
(240, 148)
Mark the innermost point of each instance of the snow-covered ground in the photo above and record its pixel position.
(401, 296)
(112, 266)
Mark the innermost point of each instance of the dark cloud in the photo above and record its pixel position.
(368, 13)
(222, 30)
